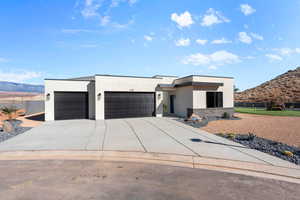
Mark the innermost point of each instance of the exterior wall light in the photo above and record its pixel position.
(48, 96)
(99, 96)
(159, 96)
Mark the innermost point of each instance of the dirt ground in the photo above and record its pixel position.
(282, 129)
(70, 180)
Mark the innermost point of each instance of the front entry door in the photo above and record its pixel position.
(172, 103)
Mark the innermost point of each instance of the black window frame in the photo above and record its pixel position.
(214, 99)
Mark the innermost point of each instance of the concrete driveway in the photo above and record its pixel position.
(151, 135)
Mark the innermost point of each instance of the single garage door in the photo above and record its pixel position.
(70, 105)
(129, 104)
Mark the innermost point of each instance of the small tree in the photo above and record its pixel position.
(9, 111)
(236, 89)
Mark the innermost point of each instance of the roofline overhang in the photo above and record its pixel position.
(199, 84)
(191, 83)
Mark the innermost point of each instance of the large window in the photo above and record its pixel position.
(214, 99)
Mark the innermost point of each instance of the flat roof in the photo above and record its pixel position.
(127, 76)
(207, 76)
(165, 76)
(57, 79)
(90, 78)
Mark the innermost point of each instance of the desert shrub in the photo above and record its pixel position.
(9, 111)
(165, 108)
(251, 136)
(231, 135)
(226, 115)
(288, 153)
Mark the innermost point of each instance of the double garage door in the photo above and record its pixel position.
(74, 105)
(129, 104)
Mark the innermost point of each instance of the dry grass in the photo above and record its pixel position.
(282, 129)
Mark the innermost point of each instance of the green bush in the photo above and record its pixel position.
(231, 135)
(226, 115)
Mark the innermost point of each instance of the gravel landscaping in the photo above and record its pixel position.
(276, 128)
(278, 149)
(17, 130)
(205, 120)
(271, 147)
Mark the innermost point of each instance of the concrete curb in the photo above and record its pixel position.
(230, 166)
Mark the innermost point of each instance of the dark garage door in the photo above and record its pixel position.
(129, 104)
(70, 105)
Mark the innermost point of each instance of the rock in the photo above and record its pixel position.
(195, 117)
(268, 146)
(8, 127)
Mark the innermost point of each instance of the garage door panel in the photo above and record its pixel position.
(129, 104)
(70, 105)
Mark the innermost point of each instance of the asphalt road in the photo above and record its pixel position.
(66, 180)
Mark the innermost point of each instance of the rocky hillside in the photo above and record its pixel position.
(284, 88)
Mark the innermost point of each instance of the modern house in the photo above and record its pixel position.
(107, 96)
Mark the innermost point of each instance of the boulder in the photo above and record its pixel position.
(195, 117)
(8, 127)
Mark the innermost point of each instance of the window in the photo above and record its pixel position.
(214, 99)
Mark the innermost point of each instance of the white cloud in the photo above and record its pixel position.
(197, 59)
(274, 57)
(286, 51)
(132, 2)
(249, 57)
(213, 67)
(247, 9)
(18, 76)
(148, 37)
(201, 42)
(257, 36)
(90, 8)
(105, 20)
(221, 41)
(122, 26)
(213, 60)
(116, 3)
(245, 38)
(183, 20)
(183, 42)
(213, 17)
(2, 60)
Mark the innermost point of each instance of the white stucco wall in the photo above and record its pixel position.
(227, 89)
(183, 100)
(61, 85)
(199, 98)
(125, 84)
(91, 90)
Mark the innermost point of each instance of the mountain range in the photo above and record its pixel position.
(20, 87)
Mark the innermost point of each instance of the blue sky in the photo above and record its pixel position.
(252, 41)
